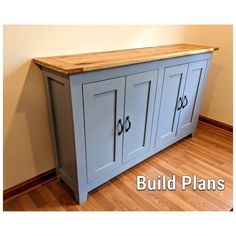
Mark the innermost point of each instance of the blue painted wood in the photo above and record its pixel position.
(93, 102)
(197, 107)
(77, 112)
(172, 90)
(139, 107)
(103, 106)
(60, 111)
(194, 84)
(51, 120)
(58, 95)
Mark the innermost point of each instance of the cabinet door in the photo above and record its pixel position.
(168, 103)
(191, 98)
(139, 105)
(104, 107)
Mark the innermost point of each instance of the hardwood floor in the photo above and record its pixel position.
(209, 155)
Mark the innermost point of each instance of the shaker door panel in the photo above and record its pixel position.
(191, 99)
(139, 105)
(103, 105)
(172, 90)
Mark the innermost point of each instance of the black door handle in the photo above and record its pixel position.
(181, 103)
(186, 101)
(127, 120)
(121, 127)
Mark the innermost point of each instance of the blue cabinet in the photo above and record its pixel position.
(118, 116)
(169, 104)
(106, 121)
(192, 96)
(178, 102)
(103, 110)
(139, 105)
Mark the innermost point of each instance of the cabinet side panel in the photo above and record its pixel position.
(60, 112)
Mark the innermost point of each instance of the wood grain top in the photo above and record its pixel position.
(84, 62)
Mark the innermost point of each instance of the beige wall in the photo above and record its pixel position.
(27, 141)
(218, 98)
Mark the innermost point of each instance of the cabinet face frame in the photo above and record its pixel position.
(78, 181)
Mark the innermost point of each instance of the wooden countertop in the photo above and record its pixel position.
(79, 63)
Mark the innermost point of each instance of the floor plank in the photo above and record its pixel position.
(208, 155)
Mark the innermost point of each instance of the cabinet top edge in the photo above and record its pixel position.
(84, 62)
